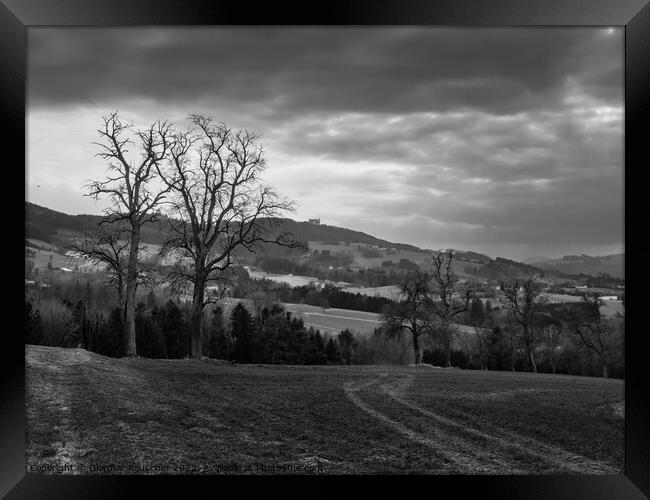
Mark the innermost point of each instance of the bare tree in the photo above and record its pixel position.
(478, 320)
(108, 248)
(595, 332)
(482, 338)
(525, 303)
(128, 186)
(412, 313)
(447, 300)
(553, 343)
(221, 207)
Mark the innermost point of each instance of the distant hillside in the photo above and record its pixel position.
(58, 228)
(42, 223)
(49, 225)
(469, 256)
(501, 269)
(593, 265)
(306, 231)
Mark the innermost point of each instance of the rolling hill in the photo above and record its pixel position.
(584, 264)
(50, 225)
(59, 229)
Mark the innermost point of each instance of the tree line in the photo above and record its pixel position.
(331, 296)
(527, 330)
(270, 335)
(571, 338)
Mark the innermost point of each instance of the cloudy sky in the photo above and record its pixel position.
(506, 141)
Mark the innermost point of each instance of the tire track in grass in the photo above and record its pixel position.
(508, 464)
(552, 453)
(506, 439)
(452, 449)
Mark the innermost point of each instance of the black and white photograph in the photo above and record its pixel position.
(324, 250)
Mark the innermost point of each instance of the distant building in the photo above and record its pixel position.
(314, 221)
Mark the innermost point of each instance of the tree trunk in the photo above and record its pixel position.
(196, 320)
(448, 349)
(416, 349)
(121, 296)
(447, 337)
(531, 358)
(131, 285)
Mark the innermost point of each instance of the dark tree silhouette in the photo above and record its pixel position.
(443, 302)
(243, 332)
(110, 246)
(595, 333)
(412, 314)
(221, 207)
(347, 343)
(128, 186)
(477, 320)
(220, 344)
(525, 304)
(332, 352)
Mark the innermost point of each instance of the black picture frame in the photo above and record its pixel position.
(16, 16)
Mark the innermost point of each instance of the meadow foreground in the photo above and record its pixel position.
(103, 415)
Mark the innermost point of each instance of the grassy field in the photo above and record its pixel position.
(610, 307)
(360, 260)
(289, 279)
(332, 320)
(103, 415)
(390, 291)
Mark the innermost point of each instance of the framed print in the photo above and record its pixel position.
(392, 244)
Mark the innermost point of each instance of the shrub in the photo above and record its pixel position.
(59, 326)
(33, 325)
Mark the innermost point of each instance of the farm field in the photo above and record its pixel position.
(333, 320)
(390, 291)
(353, 248)
(330, 321)
(66, 259)
(175, 416)
(289, 279)
(610, 307)
(42, 257)
(394, 255)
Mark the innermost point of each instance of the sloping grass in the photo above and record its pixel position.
(164, 416)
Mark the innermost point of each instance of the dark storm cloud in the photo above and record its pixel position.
(395, 70)
(462, 137)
